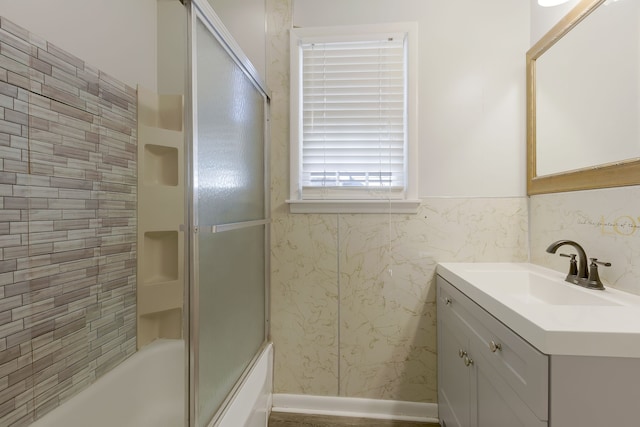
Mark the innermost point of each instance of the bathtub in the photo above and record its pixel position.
(148, 390)
(145, 390)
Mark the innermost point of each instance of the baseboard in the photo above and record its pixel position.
(355, 407)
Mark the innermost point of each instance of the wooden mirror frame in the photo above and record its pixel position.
(617, 174)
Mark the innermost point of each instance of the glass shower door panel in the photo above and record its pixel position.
(232, 311)
(229, 188)
(230, 150)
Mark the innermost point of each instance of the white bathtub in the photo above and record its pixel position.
(146, 390)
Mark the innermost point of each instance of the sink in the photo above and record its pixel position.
(533, 288)
(554, 316)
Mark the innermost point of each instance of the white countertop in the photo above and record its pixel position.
(568, 320)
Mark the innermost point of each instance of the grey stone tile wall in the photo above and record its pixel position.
(67, 224)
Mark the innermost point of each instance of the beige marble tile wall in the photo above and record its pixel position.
(605, 222)
(353, 296)
(67, 224)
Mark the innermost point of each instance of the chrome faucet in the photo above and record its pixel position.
(580, 276)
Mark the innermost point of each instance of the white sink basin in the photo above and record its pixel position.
(555, 316)
(534, 288)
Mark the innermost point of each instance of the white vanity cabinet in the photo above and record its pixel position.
(536, 350)
(487, 375)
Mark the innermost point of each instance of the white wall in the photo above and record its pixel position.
(343, 325)
(544, 18)
(115, 36)
(172, 47)
(471, 89)
(245, 20)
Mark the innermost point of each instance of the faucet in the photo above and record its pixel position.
(582, 257)
(580, 276)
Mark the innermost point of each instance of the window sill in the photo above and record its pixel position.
(354, 206)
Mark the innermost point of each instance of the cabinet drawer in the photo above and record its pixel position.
(520, 365)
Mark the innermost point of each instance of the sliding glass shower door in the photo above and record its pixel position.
(229, 216)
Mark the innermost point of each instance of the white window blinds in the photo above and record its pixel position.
(353, 114)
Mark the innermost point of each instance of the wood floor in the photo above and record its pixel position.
(282, 419)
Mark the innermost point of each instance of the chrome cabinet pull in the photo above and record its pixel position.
(447, 301)
(493, 346)
(461, 353)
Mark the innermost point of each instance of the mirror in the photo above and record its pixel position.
(583, 100)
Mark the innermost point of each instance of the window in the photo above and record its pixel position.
(353, 109)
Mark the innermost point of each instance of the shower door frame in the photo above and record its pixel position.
(202, 10)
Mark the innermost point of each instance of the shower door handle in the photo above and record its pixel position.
(220, 228)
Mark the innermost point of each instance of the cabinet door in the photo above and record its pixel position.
(453, 375)
(494, 404)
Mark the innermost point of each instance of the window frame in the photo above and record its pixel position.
(343, 200)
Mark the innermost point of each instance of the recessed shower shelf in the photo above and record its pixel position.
(161, 165)
(160, 111)
(160, 258)
(165, 324)
(158, 280)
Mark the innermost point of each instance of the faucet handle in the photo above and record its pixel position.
(573, 264)
(593, 281)
(595, 261)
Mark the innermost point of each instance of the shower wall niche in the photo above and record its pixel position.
(160, 216)
(68, 203)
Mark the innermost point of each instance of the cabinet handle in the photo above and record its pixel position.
(468, 361)
(461, 353)
(447, 301)
(495, 347)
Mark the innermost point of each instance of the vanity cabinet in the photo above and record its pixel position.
(536, 351)
(487, 375)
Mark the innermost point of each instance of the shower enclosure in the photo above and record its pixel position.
(134, 227)
(203, 220)
(228, 236)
